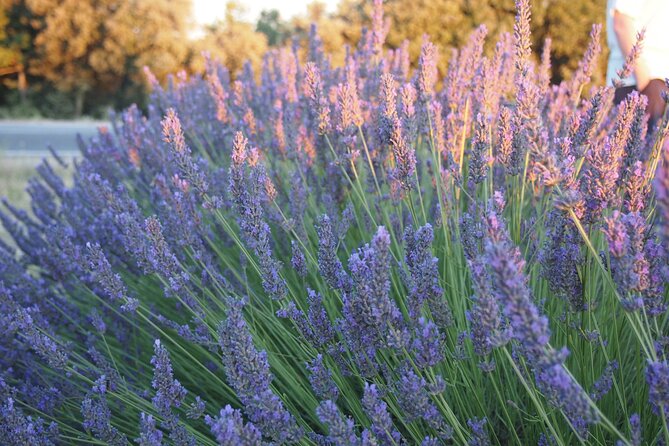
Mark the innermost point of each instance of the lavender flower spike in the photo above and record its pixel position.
(382, 423)
(341, 430)
(657, 377)
(169, 392)
(229, 429)
(247, 371)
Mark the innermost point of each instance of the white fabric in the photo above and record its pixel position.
(654, 16)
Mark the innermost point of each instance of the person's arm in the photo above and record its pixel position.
(625, 29)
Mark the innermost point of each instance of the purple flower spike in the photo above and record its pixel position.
(382, 423)
(229, 429)
(479, 435)
(247, 371)
(169, 391)
(657, 377)
(149, 434)
(341, 431)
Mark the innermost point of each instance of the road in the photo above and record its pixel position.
(21, 138)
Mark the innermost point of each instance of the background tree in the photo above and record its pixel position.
(99, 44)
(273, 27)
(56, 52)
(230, 41)
(449, 23)
(16, 48)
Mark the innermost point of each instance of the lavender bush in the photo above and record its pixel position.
(349, 256)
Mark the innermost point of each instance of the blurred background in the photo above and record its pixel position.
(65, 63)
(65, 59)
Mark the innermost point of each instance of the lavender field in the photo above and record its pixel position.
(357, 255)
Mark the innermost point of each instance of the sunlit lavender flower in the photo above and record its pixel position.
(522, 36)
(341, 430)
(349, 113)
(426, 76)
(247, 191)
(504, 137)
(313, 88)
(219, 94)
(377, 410)
(630, 61)
(379, 28)
(589, 61)
(636, 188)
(181, 153)
(229, 429)
(407, 111)
(599, 178)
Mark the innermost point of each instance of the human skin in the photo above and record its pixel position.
(625, 30)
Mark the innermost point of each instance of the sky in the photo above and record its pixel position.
(208, 11)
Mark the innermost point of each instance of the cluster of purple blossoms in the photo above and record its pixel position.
(97, 419)
(416, 246)
(529, 328)
(423, 279)
(18, 428)
(341, 431)
(657, 377)
(247, 189)
(321, 380)
(229, 429)
(370, 314)
(247, 370)
(413, 397)
(636, 263)
(377, 410)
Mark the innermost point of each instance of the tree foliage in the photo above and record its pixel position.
(72, 48)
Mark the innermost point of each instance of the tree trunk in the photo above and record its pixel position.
(23, 84)
(79, 102)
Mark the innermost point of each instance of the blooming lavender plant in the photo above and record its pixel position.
(355, 255)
